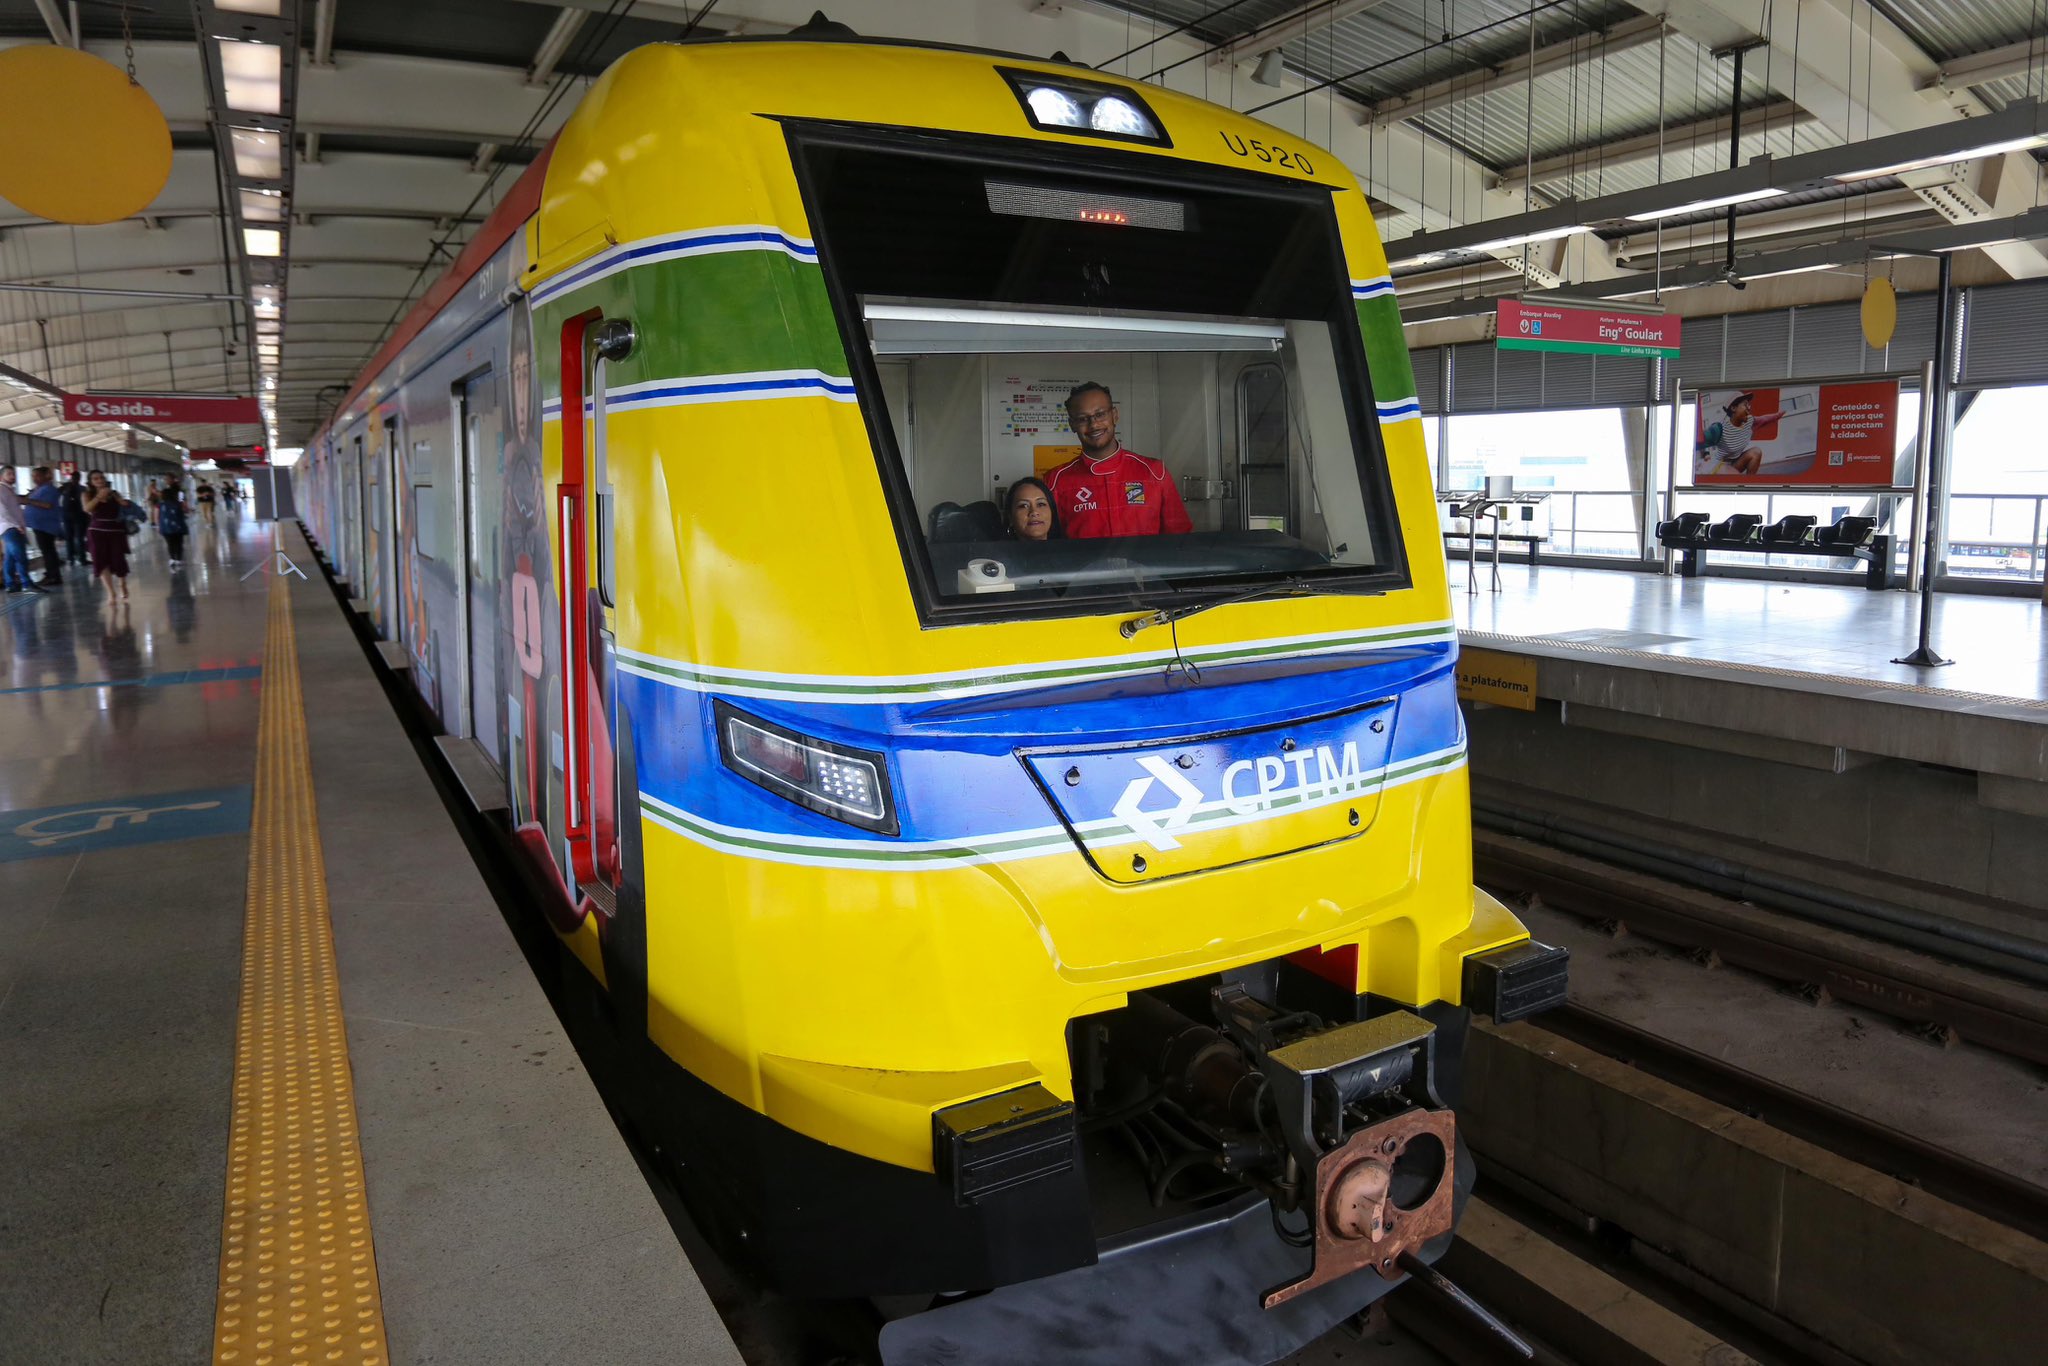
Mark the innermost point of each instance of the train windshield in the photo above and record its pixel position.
(1103, 376)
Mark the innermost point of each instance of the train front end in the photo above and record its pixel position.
(1081, 926)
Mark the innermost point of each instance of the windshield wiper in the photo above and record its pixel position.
(1290, 587)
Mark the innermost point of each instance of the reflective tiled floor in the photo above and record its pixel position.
(1996, 643)
(510, 1222)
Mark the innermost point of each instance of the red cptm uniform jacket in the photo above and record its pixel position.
(1124, 495)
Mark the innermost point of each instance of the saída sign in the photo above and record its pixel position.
(161, 408)
(1587, 331)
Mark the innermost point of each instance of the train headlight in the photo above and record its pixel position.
(839, 781)
(1056, 107)
(1059, 103)
(1114, 114)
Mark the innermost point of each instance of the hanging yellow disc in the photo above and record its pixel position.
(1880, 313)
(79, 143)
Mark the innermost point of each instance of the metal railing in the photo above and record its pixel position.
(1997, 536)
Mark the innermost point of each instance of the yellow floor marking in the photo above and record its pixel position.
(298, 1272)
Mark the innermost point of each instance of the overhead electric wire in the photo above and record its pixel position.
(1213, 48)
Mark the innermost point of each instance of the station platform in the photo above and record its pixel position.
(280, 1085)
(1763, 726)
(1806, 664)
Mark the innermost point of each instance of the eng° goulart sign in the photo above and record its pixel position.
(161, 408)
(1586, 331)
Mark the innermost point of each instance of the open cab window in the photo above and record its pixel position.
(1171, 353)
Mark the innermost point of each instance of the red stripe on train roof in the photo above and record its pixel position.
(519, 204)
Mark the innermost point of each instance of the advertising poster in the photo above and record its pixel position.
(1814, 434)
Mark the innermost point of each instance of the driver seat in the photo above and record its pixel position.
(980, 521)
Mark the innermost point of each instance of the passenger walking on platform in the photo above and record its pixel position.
(170, 521)
(109, 532)
(203, 495)
(76, 519)
(13, 536)
(44, 507)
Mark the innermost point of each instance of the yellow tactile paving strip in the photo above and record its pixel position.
(298, 1271)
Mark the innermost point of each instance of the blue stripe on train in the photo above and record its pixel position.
(953, 765)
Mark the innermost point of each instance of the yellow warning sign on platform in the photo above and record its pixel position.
(1504, 680)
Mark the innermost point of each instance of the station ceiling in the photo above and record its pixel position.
(410, 118)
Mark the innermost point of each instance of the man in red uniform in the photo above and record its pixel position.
(1106, 490)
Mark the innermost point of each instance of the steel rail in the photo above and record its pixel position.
(1793, 951)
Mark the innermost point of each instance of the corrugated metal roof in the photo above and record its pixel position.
(1681, 160)
(1607, 96)
(2000, 93)
(1947, 29)
(1400, 46)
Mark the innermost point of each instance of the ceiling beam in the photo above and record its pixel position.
(1558, 56)
(1645, 147)
(1297, 23)
(1980, 68)
(1863, 76)
(554, 46)
(59, 33)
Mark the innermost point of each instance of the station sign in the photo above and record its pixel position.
(1586, 331)
(161, 408)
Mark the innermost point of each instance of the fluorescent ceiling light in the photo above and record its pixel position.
(269, 7)
(263, 241)
(1991, 149)
(259, 154)
(268, 327)
(1527, 238)
(263, 206)
(253, 75)
(1790, 270)
(1700, 205)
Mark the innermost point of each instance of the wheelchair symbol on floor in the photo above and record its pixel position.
(42, 831)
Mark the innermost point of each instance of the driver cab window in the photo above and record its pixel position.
(1098, 389)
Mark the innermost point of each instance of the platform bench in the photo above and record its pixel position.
(1693, 534)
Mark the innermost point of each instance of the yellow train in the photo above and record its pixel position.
(940, 547)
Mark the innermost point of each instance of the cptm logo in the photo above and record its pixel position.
(1299, 779)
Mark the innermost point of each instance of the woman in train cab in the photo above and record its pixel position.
(1028, 513)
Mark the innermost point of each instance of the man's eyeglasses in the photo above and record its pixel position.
(1098, 418)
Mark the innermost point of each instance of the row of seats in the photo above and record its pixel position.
(1794, 532)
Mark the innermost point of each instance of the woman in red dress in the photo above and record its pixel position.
(107, 536)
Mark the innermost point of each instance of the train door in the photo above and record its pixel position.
(584, 505)
(478, 435)
(396, 547)
(368, 489)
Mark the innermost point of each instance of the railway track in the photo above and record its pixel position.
(1957, 1179)
(1951, 1000)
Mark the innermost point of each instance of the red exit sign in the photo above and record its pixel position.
(161, 408)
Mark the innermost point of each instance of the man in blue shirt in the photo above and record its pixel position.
(44, 508)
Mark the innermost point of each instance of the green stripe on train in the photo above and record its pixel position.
(1386, 350)
(721, 314)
